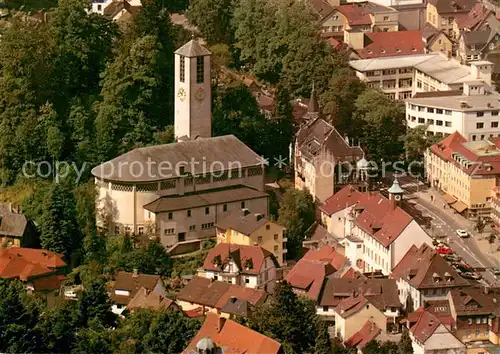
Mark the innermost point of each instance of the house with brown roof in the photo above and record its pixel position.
(15, 229)
(249, 266)
(126, 286)
(318, 236)
(429, 335)
(209, 295)
(389, 44)
(351, 315)
(42, 271)
(320, 151)
(441, 13)
(423, 275)
(437, 41)
(242, 227)
(477, 19)
(150, 299)
(376, 232)
(221, 335)
(366, 334)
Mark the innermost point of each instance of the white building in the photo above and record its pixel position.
(386, 231)
(118, 7)
(179, 191)
(474, 114)
(249, 266)
(402, 76)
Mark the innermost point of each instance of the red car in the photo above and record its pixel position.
(444, 250)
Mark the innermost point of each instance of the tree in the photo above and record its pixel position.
(323, 343)
(212, 18)
(296, 214)
(93, 339)
(282, 127)
(416, 142)
(404, 345)
(287, 318)
(374, 347)
(57, 328)
(94, 304)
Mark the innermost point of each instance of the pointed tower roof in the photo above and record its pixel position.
(396, 188)
(193, 49)
(313, 102)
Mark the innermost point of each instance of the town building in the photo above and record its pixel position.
(152, 300)
(242, 227)
(205, 295)
(430, 336)
(376, 232)
(15, 229)
(402, 76)
(473, 113)
(365, 335)
(389, 44)
(42, 271)
(441, 13)
(321, 155)
(126, 286)
(249, 266)
(318, 236)
(423, 275)
(466, 171)
(480, 45)
(221, 335)
(477, 19)
(178, 192)
(437, 41)
(116, 9)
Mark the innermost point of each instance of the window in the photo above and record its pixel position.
(473, 138)
(439, 111)
(419, 84)
(447, 124)
(141, 230)
(276, 248)
(170, 216)
(421, 120)
(494, 113)
(168, 231)
(216, 277)
(99, 7)
(430, 121)
(359, 246)
(192, 227)
(478, 320)
(207, 225)
(268, 227)
(386, 18)
(494, 124)
(482, 137)
(439, 122)
(479, 114)
(224, 207)
(207, 210)
(485, 320)
(242, 205)
(447, 112)
(275, 237)
(200, 70)
(189, 213)
(479, 125)
(325, 308)
(182, 69)
(247, 280)
(259, 239)
(430, 110)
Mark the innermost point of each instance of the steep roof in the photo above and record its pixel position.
(361, 338)
(308, 276)
(453, 6)
(387, 44)
(248, 259)
(212, 293)
(208, 197)
(51, 282)
(147, 164)
(475, 17)
(321, 7)
(25, 263)
(341, 200)
(477, 38)
(234, 337)
(423, 268)
(382, 293)
(192, 49)
(352, 305)
(474, 301)
(11, 224)
(237, 307)
(359, 13)
(425, 325)
(326, 254)
(132, 283)
(145, 298)
(246, 224)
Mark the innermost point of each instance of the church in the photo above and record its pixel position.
(179, 191)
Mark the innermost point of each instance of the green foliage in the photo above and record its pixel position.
(93, 339)
(323, 343)
(416, 141)
(296, 214)
(212, 18)
(56, 326)
(94, 304)
(374, 347)
(287, 318)
(404, 345)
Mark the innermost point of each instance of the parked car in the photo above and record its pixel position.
(462, 266)
(470, 275)
(463, 233)
(496, 271)
(452, 258)
(444, 250)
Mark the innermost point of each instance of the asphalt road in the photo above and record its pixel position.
(445, 225)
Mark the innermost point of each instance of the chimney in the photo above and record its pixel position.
(245, 211)
(258, 216)
(135, 273)
(431, 322)
(486, 290)
(220, 324)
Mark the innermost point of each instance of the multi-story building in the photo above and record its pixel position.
(384, 230)
(423, 275)
(402, 76)
(477, 19)
(479, 45)
(322, 155)
(473, 113)
(441, 13)
(437, 41)
(465, 171)
(249, 266)
(388, 44)
(179, 191)
(244, 228)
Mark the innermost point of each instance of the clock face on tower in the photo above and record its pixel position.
(200, 94)
(397, 197)
(181, 94)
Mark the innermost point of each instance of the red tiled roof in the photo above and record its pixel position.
(326, 254)
(391, 44)
(344, 198)
(352, 274)
(48, 283)
(454, 143)
(367, 333)
(24, 263)
(194, 313)
(426, 324)
(356, 15)
(249, 259)
(351, 305)
(308, 276)
(233, 337)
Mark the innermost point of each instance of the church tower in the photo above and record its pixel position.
(193, 92)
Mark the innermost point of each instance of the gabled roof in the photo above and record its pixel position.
(361, 338)
(237, 307)
(341, 200)
(321, 7)
(25, 263)
(423, 268)
(452, 6)
(390, 44)
(233, 337)
(426, 324)
(477, 38)
(352, 305)
(474, 301)
(132, 282)
(248, 259)
(11, 223)
(308, 276)
(326, 254)
(192, 49)
(145, 298)
(212, 293)
(356, 15)
(477, 15)
(245, 224)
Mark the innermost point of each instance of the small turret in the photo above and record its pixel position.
(313, 107)
(395, 192)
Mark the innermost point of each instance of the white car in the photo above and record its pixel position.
(463, 233)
